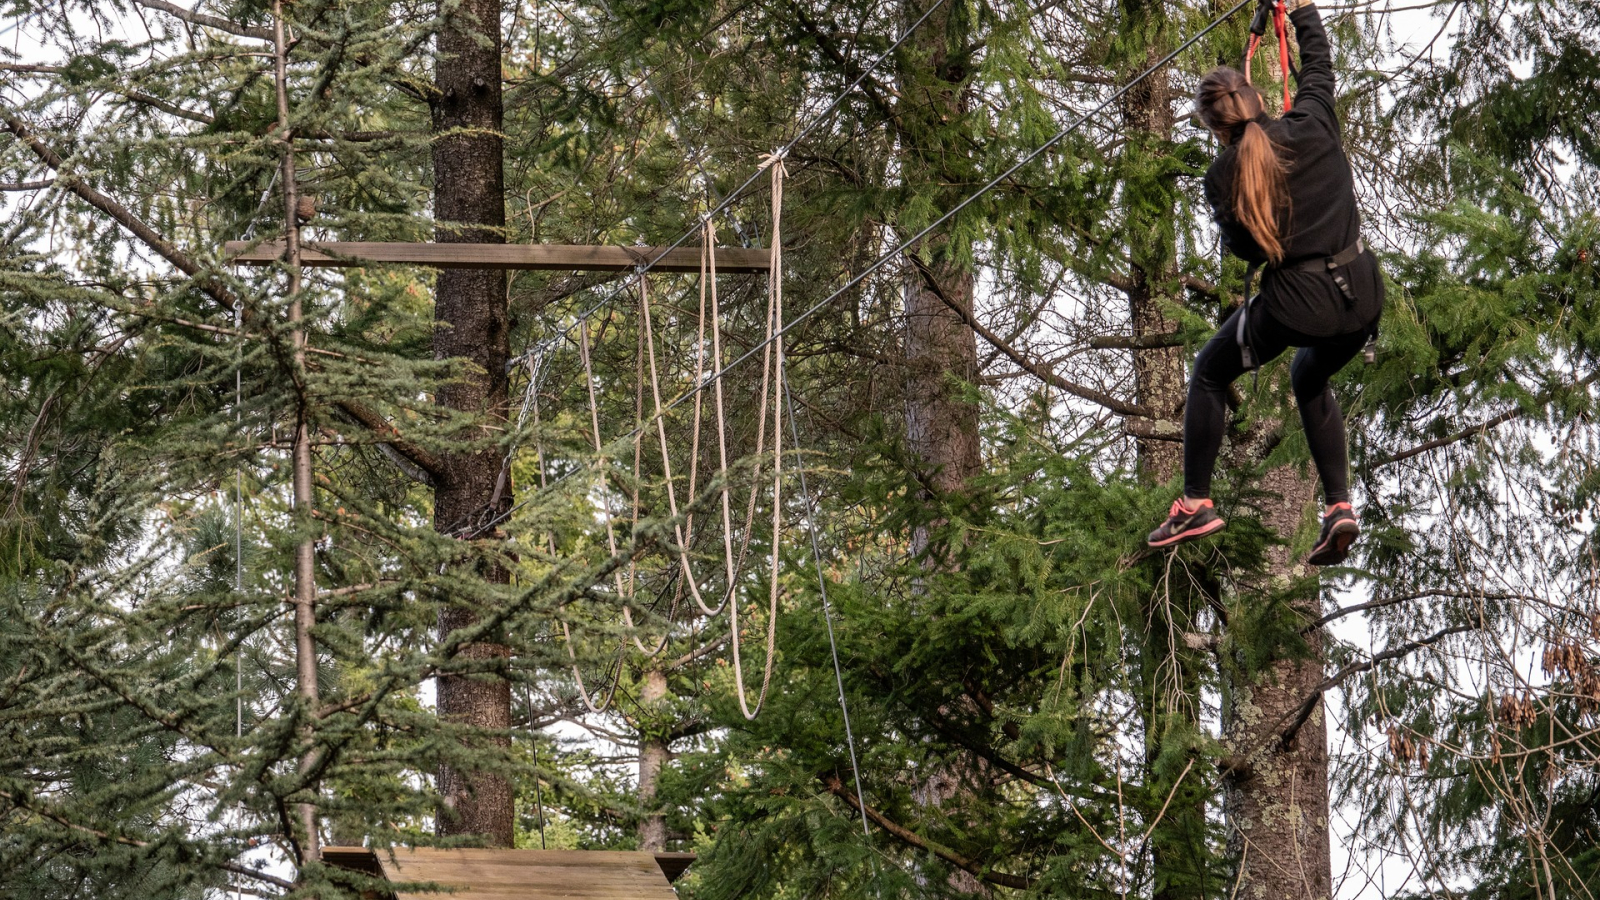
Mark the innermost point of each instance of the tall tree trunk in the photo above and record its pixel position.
(941, 351)
(305, 577)
(653, 755)
(941, 355)
(1170, 670)
(1276, 798)
(472, 326)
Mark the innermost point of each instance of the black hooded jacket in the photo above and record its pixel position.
(1321, 219)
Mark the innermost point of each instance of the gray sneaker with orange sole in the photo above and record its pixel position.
(1340, 528)
(1184, 524)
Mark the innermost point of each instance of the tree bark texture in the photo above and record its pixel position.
(472, 326)
(1276, 798)
(1160, 375)
(941, 350)
(1170, 671)
(653, 756)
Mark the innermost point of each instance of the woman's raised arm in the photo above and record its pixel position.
(1316, 61)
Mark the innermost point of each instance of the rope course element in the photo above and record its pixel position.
(625, 594)
(915, 239)
(771, 367)
(460, 528)
(738, 193)
(988, 186)
(594, 706)
(774, 380)
(646, 357)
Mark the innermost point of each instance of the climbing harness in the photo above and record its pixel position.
(1330, 264)
(1242, 333)
(1275, 10)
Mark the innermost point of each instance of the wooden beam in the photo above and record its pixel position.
(557, 257)
(673, 864)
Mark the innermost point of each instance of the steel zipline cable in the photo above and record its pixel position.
(737, 193)
(904, 245)
(563, 334)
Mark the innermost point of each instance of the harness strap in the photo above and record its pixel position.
(1242, 332)
(1332, 265)
(1317, 264)
(1275, 11)
(1280, 25)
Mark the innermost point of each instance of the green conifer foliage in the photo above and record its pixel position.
(1013, 637)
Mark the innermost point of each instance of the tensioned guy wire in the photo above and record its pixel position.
(827, 609)
(238, 512)
(238, 520)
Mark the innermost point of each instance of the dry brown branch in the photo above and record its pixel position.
(1033, 368)
(976, 869)
(205, 21)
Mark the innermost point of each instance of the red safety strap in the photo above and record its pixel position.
(1281, 27)
(1279, 21)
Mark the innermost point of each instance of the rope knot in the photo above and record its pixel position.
(775, 158)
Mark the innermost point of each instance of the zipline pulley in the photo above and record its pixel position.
(1276, 11)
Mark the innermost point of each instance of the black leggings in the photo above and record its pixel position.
(1219, 363)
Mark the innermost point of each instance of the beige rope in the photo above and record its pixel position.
(666, 455)
(626, 595)
(683, 531)
(774, 373)
(531, 403)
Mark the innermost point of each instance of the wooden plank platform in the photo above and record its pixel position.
(475, 874)
(550, 257)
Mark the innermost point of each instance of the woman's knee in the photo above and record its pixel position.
(1306, 378)
(1216, 366)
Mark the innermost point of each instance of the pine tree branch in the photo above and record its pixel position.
(121, 214)
(953, 733)
(205, 21)
(1202, 287)
(417, 457)
(418, 464)
(28, 185)
(30, 69)
(45, 812)
(1154, 429)
(1462, 435)
(1489, 424)
(836, 787)
(870, 88)
(1031, 367)
(1343, 611)
(1157, 341)
(139, 96)
(1286, 735)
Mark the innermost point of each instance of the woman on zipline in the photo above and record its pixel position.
(1282, 193)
